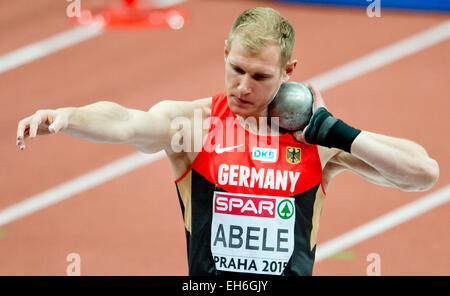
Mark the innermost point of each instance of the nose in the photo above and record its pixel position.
(244, 86)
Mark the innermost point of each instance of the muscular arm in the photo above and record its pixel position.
(389, 161)
(104, 122)
(380, 159)
(108, 122)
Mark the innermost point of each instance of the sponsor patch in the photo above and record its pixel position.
(251, 233)
(264, 154)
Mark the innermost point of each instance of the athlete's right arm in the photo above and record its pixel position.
(103, 122)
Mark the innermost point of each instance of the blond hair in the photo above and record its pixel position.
(262, 26)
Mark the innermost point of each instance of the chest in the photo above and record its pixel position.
(239, 161)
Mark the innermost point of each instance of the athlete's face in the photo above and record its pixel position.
(253, 79)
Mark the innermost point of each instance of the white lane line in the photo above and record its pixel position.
(383, 223)
(48, 46)
(60, 41)
(77, 185)
(382, 57)
(67, 189)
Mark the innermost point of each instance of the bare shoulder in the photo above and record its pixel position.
(182, 118)
(186, 134)
(173, 109)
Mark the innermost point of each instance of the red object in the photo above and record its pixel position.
(244, 205)
(237, 171)
(131, 15)
(130, 2)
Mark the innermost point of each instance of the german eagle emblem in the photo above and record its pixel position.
(293, 155)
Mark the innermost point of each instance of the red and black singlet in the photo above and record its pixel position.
(250, 203)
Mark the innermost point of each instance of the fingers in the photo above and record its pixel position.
(59, 123)
(22, 130)
(318, 100)
(35, 121)
(300, 136)
(30, 126)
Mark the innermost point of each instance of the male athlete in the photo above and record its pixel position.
(252, 205)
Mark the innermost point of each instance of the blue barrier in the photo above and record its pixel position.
(426, 5)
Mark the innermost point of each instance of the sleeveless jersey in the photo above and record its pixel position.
(250, 203)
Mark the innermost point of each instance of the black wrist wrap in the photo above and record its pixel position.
(325, 130)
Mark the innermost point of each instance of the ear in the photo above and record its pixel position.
(289, 70)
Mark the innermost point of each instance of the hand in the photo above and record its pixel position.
(318, 102)
(43, 122)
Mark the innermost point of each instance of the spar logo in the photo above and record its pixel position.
(235, 204)
(285, 209)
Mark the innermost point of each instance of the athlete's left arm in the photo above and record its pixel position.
(389, 161)
(380, 159)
